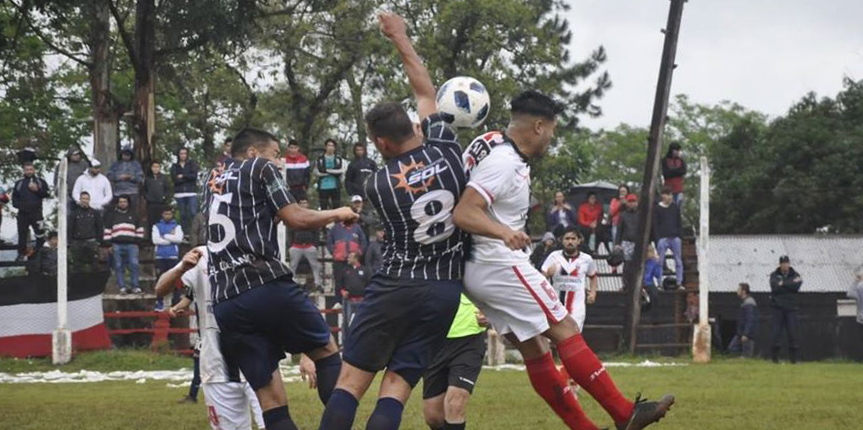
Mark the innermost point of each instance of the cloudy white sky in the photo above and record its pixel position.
(763, 54)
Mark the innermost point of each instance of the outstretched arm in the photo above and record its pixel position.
(166, 282)
(299, 218)
(471, 216)
(393, 27)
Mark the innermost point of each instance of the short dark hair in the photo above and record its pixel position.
(27, 163)
(591, 193)
(667, 190)
(82, 193)
(228, 140)
(52, 234)
(390, 120)
(535, 103)
(168, 208)
(248, 137)
(572, 229)
(331, 140)
(745, 287)
(123, 197)
(359, 145)
(293, 142)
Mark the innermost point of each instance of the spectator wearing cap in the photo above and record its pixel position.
(589, 217)
(45, 260)
(156, 192)
(126, 177)
(743, 342)
(184, 174)
(627, 227)
(667, 229)
(76, 165)
(359, 171)
(560, 216)
(367, 219)
(329, 169)
(96, 185)
(673, 172)
(343, 239)
(375, 252)
(785, 285)
(298, 170)
(167, 236)
(27, 197)
(304, 245)
(540, 252)
(617, 205)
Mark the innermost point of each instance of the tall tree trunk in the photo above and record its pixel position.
(144, 105)
(105, 116)
(357, 105)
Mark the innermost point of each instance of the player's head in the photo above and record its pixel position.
(572, 238)
(534, 118)
(389, 127)
(743, 290)
(84, 199)
(123, 202)
(167, 214)
(253, 142)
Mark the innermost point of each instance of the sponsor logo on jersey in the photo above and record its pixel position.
(417, 177)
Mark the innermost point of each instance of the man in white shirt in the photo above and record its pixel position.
(96, 184)
(568, 269)
(516, 298)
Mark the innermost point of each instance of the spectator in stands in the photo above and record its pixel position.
(226, 152)
(27, 196)
(96, 185)
(126, 177)
(367, 218)
(617, 205)
(298, 170)
(85, 234)
(156, 192)
(4, 198)
(541, 252)
(167, 236)
(589, 216)
(667, 229)
(856, 293)
(785, 284)
(743, 342)
(627, 228)
(673, 172)
(184, 174)
(356, 277)
(359, 171)
(375, 253)
(45, 260)
(76, 166)
(304, 245)
(652, 278)
(560, 216)
(342, 240)
(329, 170)
(124, 231)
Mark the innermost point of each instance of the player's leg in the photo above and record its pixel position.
(435, 383)
(464, 371)
(393, 396)
(227, 406)
(254, 405)
(434, 412)
(328, 365)
(455, 407)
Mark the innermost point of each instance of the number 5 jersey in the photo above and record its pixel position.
(414, 195)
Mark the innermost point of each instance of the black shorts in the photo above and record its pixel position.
(400, 324)
(260, 325)
(457, 364)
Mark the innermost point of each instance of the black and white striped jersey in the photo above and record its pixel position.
(414, 195)
(241, 209)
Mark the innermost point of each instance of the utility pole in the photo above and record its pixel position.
(651, 170)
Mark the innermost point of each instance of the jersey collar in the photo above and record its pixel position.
(514, 147)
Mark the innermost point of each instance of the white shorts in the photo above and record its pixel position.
(516, 299)
(228, 406)
(574, 302)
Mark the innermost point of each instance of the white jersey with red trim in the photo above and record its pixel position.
(499, 172)
(571, 273)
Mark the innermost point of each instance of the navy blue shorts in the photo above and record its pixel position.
(400, 325)
(261, 324)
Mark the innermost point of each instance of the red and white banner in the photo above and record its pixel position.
(28, 314)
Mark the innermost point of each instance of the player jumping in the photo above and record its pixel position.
(410, 303)
(261, 312)
(516, 298)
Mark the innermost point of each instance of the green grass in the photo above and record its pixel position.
(729, 394)
(103, 361)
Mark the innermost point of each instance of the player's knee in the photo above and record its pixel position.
(534, 347)
(455, 404)
(434, 417)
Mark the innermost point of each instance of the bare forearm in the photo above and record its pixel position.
(299, 218)
(418, 76)
(475, 220)
(184, 303)
(168, 279)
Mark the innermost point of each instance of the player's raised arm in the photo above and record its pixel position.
(166, 282)
(393, 27)
(471, 216)
(299, 218)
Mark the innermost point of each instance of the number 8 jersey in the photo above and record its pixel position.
(414, 195)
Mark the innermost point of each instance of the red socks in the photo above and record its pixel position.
(551, 386)
(587, 371)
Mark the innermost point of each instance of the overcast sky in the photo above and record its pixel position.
(763, 54)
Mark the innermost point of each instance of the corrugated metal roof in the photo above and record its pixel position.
(826, 263)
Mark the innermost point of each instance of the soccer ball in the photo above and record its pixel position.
(464, 102)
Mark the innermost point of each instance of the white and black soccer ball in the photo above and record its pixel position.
(464, 102)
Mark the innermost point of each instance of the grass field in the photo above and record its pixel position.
(728, 394)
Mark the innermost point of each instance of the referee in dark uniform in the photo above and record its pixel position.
(411, 301)
(261, 311)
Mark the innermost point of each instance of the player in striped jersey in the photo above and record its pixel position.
(410, 303)
(514, 296)
(261, 312)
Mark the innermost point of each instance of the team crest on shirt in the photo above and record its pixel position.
(217, 181)
(416, 177)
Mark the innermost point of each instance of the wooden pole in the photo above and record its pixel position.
(651, 169)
